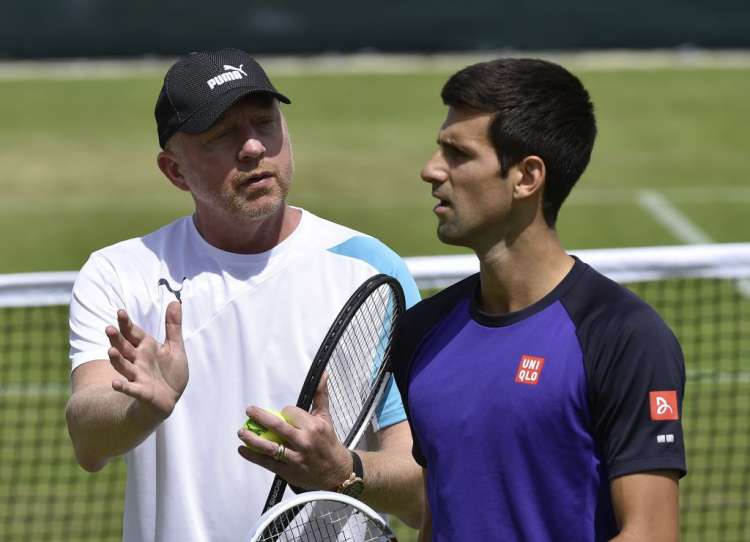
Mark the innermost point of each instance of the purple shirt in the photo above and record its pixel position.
(521, 420)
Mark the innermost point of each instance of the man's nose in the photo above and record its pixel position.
(434, 170)
(252, 148)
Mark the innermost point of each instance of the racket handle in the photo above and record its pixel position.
(276, 493)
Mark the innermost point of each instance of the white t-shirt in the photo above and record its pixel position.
(251, 325)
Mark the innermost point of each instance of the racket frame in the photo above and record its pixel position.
(323, 355)
(283, 509)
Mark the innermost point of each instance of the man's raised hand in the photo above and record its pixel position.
(154, 374)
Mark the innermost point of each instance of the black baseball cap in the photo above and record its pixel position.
(199, 87)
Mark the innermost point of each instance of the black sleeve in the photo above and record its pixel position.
(412, 330)
(402, 351)
(636, 381)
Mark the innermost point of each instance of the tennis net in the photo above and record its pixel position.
(703, 292)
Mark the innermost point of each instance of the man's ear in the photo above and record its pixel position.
(531, 178)
(170, 167)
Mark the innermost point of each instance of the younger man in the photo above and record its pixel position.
(544, 399)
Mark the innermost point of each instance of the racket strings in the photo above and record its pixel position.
(355, 364)
(320, 521)
(359, 355)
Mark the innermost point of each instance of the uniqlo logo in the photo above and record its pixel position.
(529, 370)
(663, 405)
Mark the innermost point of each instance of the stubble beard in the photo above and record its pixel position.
(452, 233)
(262, 204)
(259, 204)
(446, 234)
(267, 202)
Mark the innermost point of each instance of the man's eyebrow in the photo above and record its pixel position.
(452, 144)
(224, 122)
(217, 126)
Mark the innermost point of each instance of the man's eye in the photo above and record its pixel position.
(454, 153)
(268, 121)
(218, 137)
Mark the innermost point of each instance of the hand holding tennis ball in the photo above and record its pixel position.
(262, 431)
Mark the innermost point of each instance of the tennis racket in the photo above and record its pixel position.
(354, 354)
(321, 516)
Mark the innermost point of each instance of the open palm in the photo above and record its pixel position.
(155, 374)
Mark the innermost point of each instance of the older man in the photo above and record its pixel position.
(175, 333)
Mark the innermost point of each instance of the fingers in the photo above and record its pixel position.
(320, 404)
(126, 369)
(285, 430)
(129, 330)
(120, 364)
(173, 323)
(313, 456)
(266, 460)
(309, 435)
(267, 448)
(116, 339)
(132, 389)
(264, 452)
(290, 434)
(296, 417)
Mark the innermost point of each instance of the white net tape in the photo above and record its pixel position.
(729, 260)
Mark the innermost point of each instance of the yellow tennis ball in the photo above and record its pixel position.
(262, 431)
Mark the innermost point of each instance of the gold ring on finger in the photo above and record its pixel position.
(279, 453)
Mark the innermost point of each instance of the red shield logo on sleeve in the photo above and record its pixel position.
(663, 405)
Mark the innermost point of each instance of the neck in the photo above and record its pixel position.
(514, 276)
(248, 235)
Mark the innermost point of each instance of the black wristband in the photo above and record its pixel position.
(357, 468)
(354, 484)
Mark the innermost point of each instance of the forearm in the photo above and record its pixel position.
(425, 529)
(646, 506)
(104, 423)
(393, 484)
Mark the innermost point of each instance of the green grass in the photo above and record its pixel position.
(78, 172)
(78, 159)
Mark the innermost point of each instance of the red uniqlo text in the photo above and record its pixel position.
(529, 370)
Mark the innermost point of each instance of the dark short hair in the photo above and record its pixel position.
(539, 109)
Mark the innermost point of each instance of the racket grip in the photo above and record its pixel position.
(275, 494)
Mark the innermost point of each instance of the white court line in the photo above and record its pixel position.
(662, 210)
(387, 63)
(671, 218)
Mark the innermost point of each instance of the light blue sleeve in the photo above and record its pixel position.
(368, 249)
(382, 258)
